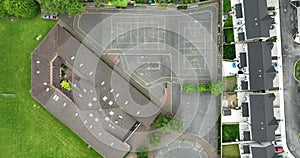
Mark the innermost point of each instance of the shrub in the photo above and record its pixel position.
(23, 9)
(216, 88)
(142, 152)
(189, 88)
(66, 85)
(154, 139)
(202, 88)
(182, 7)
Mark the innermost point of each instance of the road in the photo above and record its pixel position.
(290, 53)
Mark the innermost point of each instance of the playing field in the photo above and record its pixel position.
(26, 128)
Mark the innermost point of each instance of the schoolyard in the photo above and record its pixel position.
(26, 128)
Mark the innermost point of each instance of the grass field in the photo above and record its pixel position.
(230, 83)
(25, 130)
(228, 33)
(226, 6)
(228, 22)
(230, 151)
(230, 133)
(229, 52)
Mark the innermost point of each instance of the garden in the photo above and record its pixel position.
(230, 151)
(215, 88)
(229, 52)
(230, 133)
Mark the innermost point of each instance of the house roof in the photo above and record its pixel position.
(86, 116)
(262, 152)
(261, 71)
(257, 20)
(263, 122)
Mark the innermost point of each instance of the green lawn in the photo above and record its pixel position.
(228, 33)
(229, 52)
(228, 22)
(230, 151)
(230, 133)
(25, 130)
(226, 6)
(230, 83)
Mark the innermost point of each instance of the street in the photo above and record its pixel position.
(290, 54)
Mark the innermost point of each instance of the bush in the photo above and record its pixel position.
(100, 3)
(73, 7)
(23, 9)
(66, 85)
(189, 88)
(272, 39)
(120, 3)
(142, 152)
(297, 70)
(175, 124)
(216, 88)
(154, 139)
(166, 123)
(202, 88)
(3, 11)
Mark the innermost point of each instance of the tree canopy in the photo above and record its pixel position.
(72, 7)
(166, 123)
(189, 88)
(3, 11)
(142, 152)
(23, 9)
(216, 88)
(66, 85)
(120, 3)
(154, 139)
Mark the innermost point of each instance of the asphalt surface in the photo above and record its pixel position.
(114, 33)
(290, 54)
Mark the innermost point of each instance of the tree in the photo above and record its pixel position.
(202, 88)
(216, 88)
(99, 3)
(154, 139)
(23, 9)
(66, 85)
(72, 7)
(189, 88)
(166, 123)
(120, 3)
(162, 122)
(142, 152)
(3, 11)
(175, 124)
